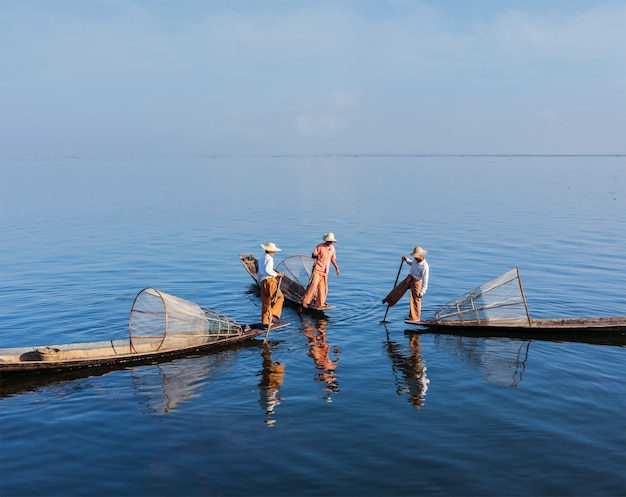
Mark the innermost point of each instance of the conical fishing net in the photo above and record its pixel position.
(297, 269)
(158, 314)
(498, 301)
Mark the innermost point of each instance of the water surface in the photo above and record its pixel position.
(337, 405)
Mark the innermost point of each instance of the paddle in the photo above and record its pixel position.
(272, 302)
(394, 285)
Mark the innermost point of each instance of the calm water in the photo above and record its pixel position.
(344, 405)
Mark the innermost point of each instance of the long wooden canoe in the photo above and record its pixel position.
(602, 331)
(583, 325)
(121, 352)
(160, 326)
(498, 308)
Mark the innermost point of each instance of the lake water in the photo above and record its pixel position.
(339, 405)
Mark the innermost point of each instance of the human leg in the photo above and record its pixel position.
(310, 291)
(398, 291)
(266, 295)
(415, 310)
(322, 290)
(277, 306)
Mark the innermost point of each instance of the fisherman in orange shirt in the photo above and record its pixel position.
(325, 255)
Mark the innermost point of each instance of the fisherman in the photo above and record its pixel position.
(325, 255)
(272, 297)
(416, 281)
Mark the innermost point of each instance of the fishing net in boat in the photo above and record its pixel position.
(498, 301)
(158, 314)
(297, 269)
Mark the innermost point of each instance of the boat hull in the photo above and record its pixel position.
(118, 353)
(608, 331)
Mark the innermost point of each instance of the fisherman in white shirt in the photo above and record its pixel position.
(268, 283)
(416, 281)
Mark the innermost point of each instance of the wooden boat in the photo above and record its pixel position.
(297, 270)
(160, 326)
(192, 364)
(498, 308)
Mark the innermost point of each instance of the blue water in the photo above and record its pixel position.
(342, 405)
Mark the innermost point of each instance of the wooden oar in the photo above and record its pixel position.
(272, 302)
(394, 285)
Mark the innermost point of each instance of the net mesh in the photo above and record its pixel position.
(500, 300)
(297, 269)
(158, 314)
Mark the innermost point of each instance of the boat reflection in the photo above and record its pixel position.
(60, 380)
(272, 377)
(409, 370)
(319, 351)
(161, 386)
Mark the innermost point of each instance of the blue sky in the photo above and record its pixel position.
(144, 78)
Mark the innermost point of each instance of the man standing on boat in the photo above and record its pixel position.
(272, 297)
(416, 281)
(325, 255)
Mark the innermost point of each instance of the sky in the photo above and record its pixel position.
(148, 78)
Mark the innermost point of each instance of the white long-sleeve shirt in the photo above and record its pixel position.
(266, 268)
(420, 271)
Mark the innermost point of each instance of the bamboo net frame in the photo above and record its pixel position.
(500, 300)
(159, 315)
(298, 270)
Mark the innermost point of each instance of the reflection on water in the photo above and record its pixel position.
(188, 244)
(501, 360)
(408, 369)
(319, 350)
(163, 387)
(57, 382)
(272, 377)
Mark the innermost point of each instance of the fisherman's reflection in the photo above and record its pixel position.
(413, 380)
(272, 376)
(416, 379)
(319, 350)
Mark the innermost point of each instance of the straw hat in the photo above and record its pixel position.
(270, 247)
(419, 252)
(329, 237)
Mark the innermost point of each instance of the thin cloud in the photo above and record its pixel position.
(320, 78)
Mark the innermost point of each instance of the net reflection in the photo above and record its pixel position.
(319, 350)
(408, 370)
(272, 377)
(500, 360)
(163, 387)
